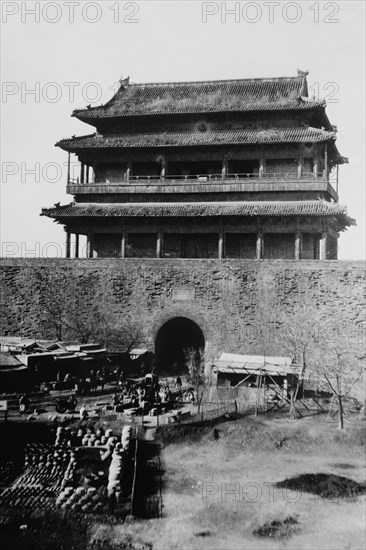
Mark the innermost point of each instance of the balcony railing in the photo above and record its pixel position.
(145, 179)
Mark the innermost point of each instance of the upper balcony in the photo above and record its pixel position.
(210, 183)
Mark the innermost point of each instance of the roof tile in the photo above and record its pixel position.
(264, 208)
(171, 139)
(211, 96)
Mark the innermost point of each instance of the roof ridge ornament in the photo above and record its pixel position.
(304, 92)
(124, 81)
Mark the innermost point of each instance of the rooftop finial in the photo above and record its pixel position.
(302, 73)
(124, 81)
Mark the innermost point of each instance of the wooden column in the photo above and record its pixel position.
(76, 245)
(259, 245)
(163, 169)
(221, 243)
(297, 245)
(123, 244)
(87, 174)
(326, 161)
(89, 246)
(300, 162)
(68, 167)
(323, 246)
(82, 171)
(224, 167)
(159, 244)
(68, 244)
(261, 163)
(128, 171)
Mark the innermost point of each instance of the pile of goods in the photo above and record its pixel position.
(73, 472)
(46, 464)
(89, 499)
(126, 438)
(119, 475)
(70, 472)
(31, 496)
(101, 455)
(8, 472)
(115, 472)
(61, 436)
(97, 439)
(45, 454)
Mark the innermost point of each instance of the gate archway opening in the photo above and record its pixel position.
(172, 339)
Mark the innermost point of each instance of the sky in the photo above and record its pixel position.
(59, 56)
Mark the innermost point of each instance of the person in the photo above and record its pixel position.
(83, 412)
(37, 378)
(112, 501)
(93, 381)
(68, 377)
(101, 376)
(23, 403)
(115, 400)
(178, 383)
(71, 402)
(121, 380)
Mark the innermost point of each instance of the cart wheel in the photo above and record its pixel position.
(61, 408)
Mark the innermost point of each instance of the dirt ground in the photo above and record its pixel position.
(219, 489)
(218, 484)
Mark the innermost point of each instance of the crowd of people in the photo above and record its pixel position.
(148, 392)
(137, 394)
(87, 384)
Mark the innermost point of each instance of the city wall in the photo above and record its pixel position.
(238, 304)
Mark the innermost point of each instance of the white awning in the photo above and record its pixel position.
(232, 363)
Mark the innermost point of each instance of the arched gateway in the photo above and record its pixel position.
(173, 337)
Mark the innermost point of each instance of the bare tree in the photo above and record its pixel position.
(122, 336)
(76, 306)
(325, 348)
(195, 361)
(297, 337)
(341, 363)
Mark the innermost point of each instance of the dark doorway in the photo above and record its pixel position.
(172, 339)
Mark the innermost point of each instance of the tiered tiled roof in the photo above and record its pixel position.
(258, 94)
(265, 208)
(171, 139)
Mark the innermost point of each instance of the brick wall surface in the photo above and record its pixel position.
(236, 303)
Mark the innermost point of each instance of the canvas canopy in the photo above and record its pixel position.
(233, 363)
